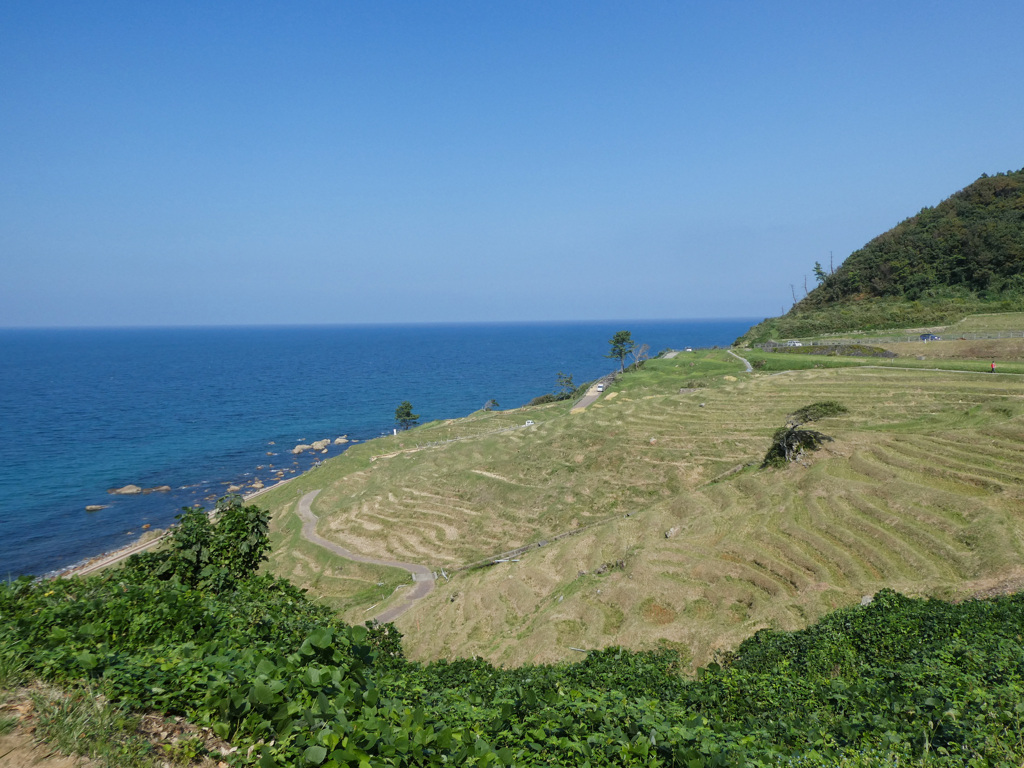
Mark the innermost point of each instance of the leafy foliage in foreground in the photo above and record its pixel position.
(207, 555)
(901, 681)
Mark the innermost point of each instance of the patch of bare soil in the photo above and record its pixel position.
(21, 747)
(1004, 585)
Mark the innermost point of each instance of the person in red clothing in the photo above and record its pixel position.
(993, 367)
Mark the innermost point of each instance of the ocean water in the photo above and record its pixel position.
(82, 411)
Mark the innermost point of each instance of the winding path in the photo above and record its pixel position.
(744, 360)
(423, 578)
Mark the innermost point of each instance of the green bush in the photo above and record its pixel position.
(901, 681)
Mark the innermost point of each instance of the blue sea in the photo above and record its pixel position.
(83, 411)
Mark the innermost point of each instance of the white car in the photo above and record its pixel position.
(600, 387)
(529, 423)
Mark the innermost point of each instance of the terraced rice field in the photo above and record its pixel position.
(920, 491)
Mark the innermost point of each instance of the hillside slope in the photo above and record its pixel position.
(961, 256)
(919, 492)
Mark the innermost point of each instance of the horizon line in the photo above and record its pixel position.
(366, 324)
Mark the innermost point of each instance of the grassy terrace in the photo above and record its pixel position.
(921, 492)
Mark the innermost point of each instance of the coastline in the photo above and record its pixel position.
(115, 556)
(300, 387)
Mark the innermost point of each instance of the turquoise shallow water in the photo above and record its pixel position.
(82, 411)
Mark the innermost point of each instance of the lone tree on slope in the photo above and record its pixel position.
(404, 415)
(789, 443)
(622, 344)
(566, 386)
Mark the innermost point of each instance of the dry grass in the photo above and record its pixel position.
(966, 349)
(920, 492)
(994, 322)
(352, 589)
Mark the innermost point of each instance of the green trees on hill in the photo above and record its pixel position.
(963, 256)
(621, 345)
(973, 242)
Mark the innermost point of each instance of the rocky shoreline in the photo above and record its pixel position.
(150, 539)
(249, 488)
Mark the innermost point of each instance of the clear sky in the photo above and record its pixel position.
(342, 162)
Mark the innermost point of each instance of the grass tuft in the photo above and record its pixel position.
(81, 723)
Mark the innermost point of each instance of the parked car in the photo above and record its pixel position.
(794, 343)
(929, 337)
(600, 387)
(529, 423)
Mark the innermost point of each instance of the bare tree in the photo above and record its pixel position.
(640, 354)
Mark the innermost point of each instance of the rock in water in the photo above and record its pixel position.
(127, 490)
(301, 447)
(96, 507)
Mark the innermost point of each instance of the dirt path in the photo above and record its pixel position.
(423, 578)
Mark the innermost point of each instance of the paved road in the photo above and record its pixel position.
(592, 393)
(422, 577)
(746, 362)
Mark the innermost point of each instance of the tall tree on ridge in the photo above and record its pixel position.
(622, 344)
(404, 415)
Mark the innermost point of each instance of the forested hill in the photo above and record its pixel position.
(974, 240)
(965, 252)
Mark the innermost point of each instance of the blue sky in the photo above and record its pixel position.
(328, 162)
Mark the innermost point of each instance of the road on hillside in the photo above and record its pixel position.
(744, 360)
(593, 393)
(423, 578)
